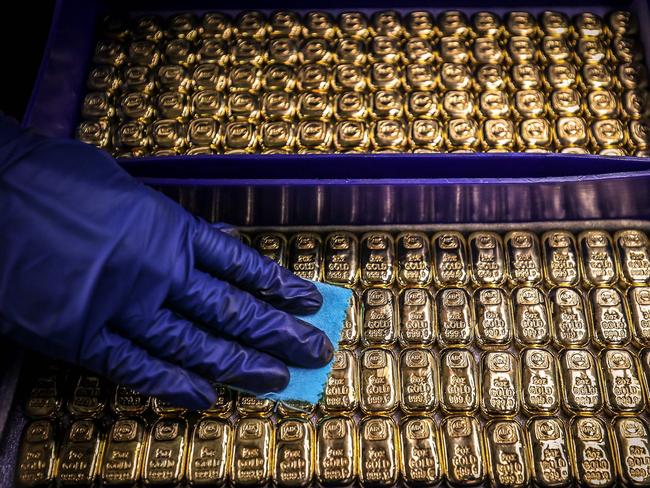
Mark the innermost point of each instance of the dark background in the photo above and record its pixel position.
(22, 39)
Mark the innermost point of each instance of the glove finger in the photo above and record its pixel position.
(229, 259)
(123, 362)
(177, 340)
(238, 315)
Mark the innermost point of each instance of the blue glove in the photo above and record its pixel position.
(99, 270)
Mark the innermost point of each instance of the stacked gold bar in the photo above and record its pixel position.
(471, 358)
(314, 83)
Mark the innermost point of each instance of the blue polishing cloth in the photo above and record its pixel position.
(308, 384)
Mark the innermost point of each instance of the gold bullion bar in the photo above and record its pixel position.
(593, 452)
(127, 401)
(459, 386)
(570, 319)
(507, 454)
(633, 252)
(413, 259)
(379, 451)
(336, 451)
(351, 329)
(523, 258)
(88, 397)
(294, 452)
(621, 380)
(296, 408)
(597, 265)
(380, 322)
(252, 451)
(251, 405)
(224, 404)
(609, 317)
(305, 255)
(531, 317)
(80, 454)
(449, 259)
(419, 380)
(420, 462)
(124, 452)
(342, 388)
(36, 465)
(462, 450)
(581, 389)
(272, 245)
(44, 399)
(379, 381)
(208, 456)
(416, 316)
(164, 462)
(487, 261)
(644, 361)
(638, 301)
(561, 261)
(551, 465)
(341, 258)
(499, 384)
(454, 317)
(539, 379)
(161, 407)
(633, 449)
(493, 318)
(377, 259)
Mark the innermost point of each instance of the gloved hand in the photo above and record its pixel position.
(99, 270)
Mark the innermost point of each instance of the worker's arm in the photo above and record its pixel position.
(99, 270)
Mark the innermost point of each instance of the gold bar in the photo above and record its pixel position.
(539, 379)
(161, 407)
(208, 457)
(523, 258)
(417, 325)
(419, 380)
(251, 405)
(44, 399)
(224, 404)
(272, 245)
(507, 454)
(379, 451)
(621, 380)
(420, 453)
(499, 384)
(294, 452)
(377, 259)
(336, 451)
(380, 322)
(37, 456)
(296, 408)
(493, 315)
(413, 259)
(531, 317)
(462, 450)
(570, 319)
(633, 252)
(550, 452)
(449, 258)
(88, 398)
(164, 462)
(305, 255)
(252, 452)
(80, 454)
(633, 448)
(341, 258)
(124, 452)
(351, 327)
(598, 264)
(487, 261)
(127, 401)
(454, 317)
(593, 452)
(561, 261)
(609, 317)
(379, 381)
(342, 388)
(459, 385)
(581, 389)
